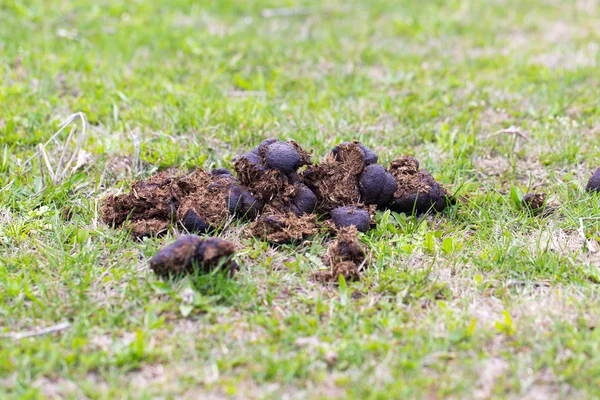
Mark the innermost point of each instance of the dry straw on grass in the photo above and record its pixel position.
(70, 160)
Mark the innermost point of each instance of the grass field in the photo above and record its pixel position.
(496, 98)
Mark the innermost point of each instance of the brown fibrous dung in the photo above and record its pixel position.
(284, 228)
(534, 201)
(196, 199)
(335, 180)
(345, 256)
(154, 198)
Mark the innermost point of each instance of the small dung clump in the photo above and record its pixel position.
(593, 184)
(345, 256)
(417, 190)
(190, 252)
(534, 201)
(284, 228)
(347, 216)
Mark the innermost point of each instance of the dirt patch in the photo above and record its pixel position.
(417, 190)
(284, 228)
(593, 184)
(345, 256)
(190, 252)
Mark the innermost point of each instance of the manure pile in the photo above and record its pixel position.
(284, 197)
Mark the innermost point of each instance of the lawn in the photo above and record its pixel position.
(484, 300)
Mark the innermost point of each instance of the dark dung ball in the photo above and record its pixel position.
(412, 203)
(242, 203)
(282, 156)
(221, 171)
(594, 182)
(263, 145)
(370, 156)
(304, 202)
(350, 215)
(377, 185)
(254, 159)
(192, 222)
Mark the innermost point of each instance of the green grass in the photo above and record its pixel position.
(481, 301)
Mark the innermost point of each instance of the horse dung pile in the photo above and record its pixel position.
(286, 198)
